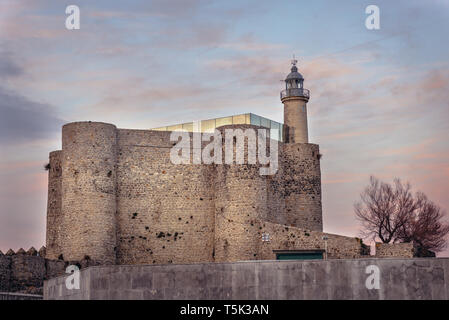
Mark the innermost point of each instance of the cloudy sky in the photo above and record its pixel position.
(380, 98)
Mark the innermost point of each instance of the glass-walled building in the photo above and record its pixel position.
(247, 118)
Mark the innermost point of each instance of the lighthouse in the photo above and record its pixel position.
(295, 99)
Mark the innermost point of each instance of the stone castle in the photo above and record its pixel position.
(114, 197)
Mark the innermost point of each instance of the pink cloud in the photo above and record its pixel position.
(418, 147)
(327, 68)
(341, 177)
(24, 185)
(9, 166)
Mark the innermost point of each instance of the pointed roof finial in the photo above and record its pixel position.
(294, 61)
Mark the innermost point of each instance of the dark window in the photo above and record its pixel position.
(299, 255)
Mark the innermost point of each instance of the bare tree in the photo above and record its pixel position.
(392, 213)
(425, 226)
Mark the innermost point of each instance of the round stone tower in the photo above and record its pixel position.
(88, 205)
(295, 99)
(240, 201)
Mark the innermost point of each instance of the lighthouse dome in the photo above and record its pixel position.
(294, 74)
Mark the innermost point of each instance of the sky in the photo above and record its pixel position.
(379, 98)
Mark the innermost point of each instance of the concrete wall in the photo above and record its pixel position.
(19, 296)
(419, 279)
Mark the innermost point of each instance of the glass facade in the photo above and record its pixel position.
(255, 119)
(175, 127)
(247, 118)
(208, 125)
(223, 121)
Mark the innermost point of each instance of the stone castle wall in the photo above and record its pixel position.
(123, 201)
(244, 198)
(165, 212)
(240, 201)
(241, 197)
(396, 250)
(26, 271)
(54, 214)
(293, 238)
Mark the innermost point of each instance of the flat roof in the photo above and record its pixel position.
(209, 125)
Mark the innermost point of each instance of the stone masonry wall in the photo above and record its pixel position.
(25, 272)
(290, 197)
(240, 200)
(295, 120)
(165, 212)
(54, 216)
(396, 250)
(292, 238)
(241, 197)
(301, 182)
(5, 272)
